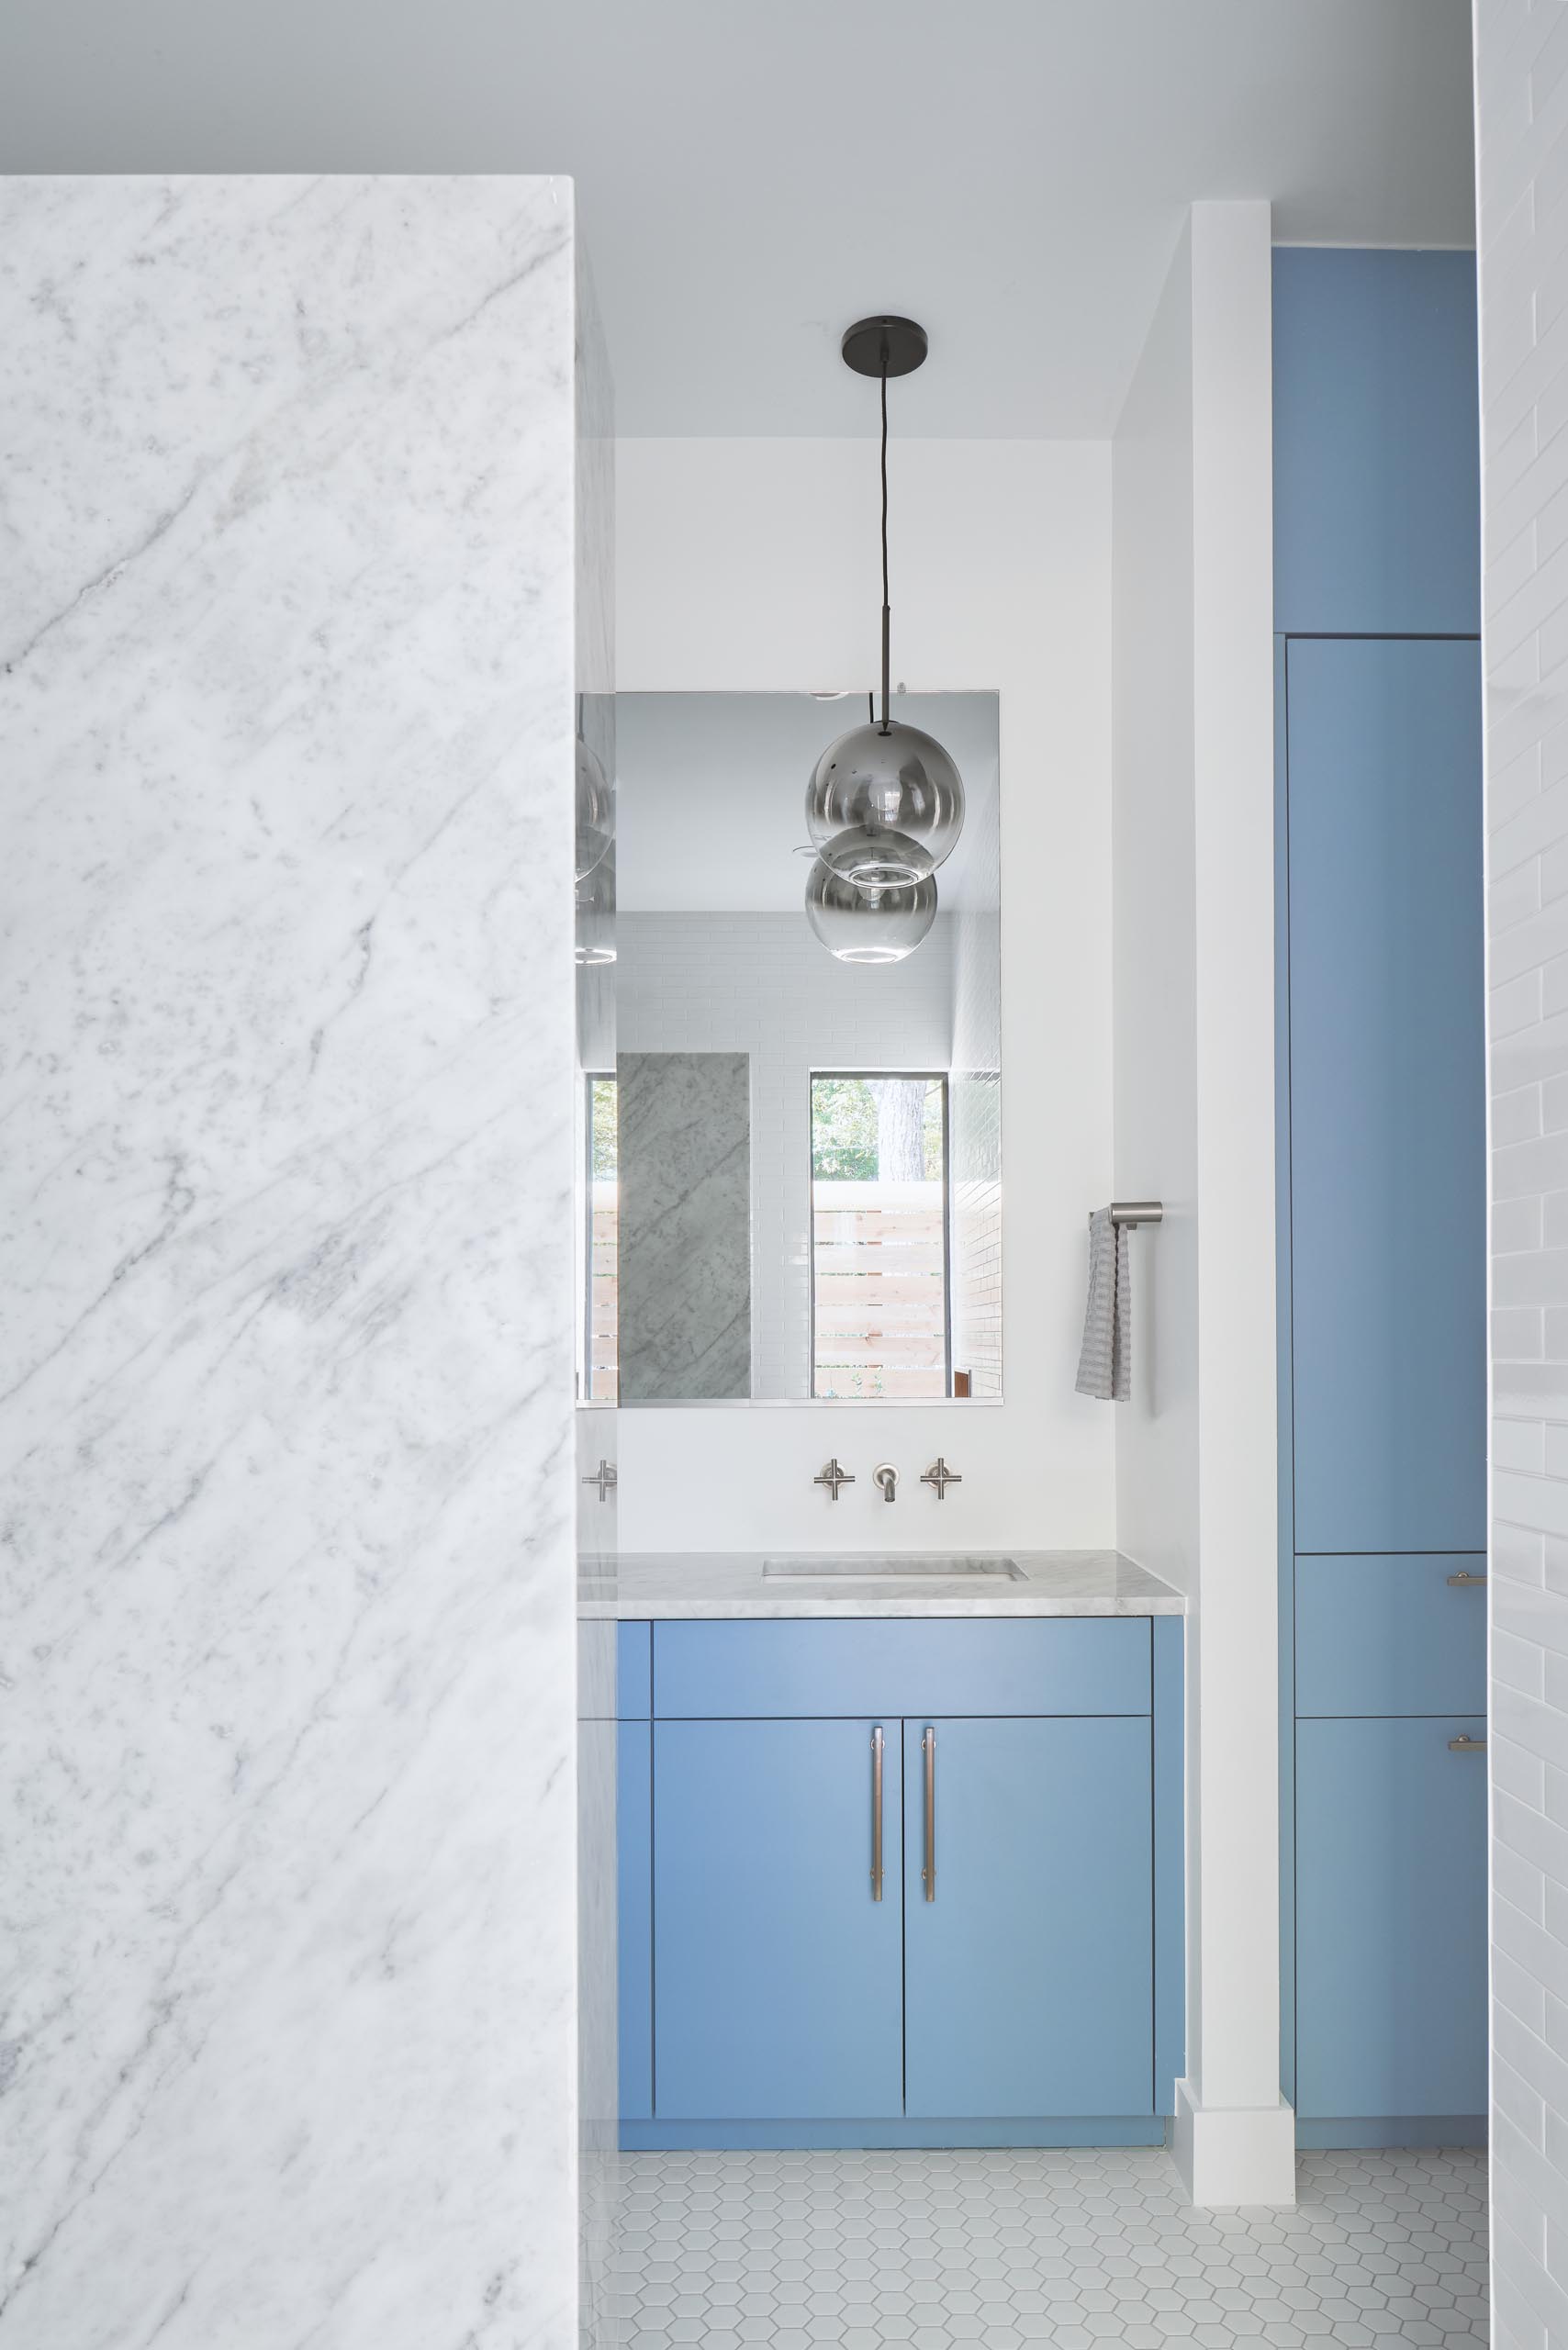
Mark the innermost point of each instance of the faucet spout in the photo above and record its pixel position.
(887, 1477)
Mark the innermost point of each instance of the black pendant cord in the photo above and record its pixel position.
(887, 727)
(884, 346)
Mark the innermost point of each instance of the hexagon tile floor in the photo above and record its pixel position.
(938, 2252)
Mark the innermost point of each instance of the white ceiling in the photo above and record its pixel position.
(754, 174)
(710, 795)
(1012, 173)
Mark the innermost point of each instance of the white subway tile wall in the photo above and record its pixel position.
(761, 984)
(1522, 136)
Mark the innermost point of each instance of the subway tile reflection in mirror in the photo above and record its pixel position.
(800, 1198)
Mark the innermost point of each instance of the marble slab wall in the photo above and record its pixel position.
(285, 1237)
(598, 1731)
(684, 1168)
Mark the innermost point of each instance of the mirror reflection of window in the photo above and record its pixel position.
(882, 1322)
(603, 1255)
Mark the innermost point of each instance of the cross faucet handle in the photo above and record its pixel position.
(940, 1477)
(833, 1476)
(606, 1477)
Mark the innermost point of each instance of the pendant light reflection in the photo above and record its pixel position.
(875, 860)
(868, 926)
(595, 812)
(594, 943)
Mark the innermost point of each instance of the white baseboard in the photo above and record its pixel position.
(1229, 2154)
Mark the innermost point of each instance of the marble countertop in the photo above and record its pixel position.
(729, 1582)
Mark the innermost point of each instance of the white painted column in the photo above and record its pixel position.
(1194, 886)
(286, 1245)
(1235, 2133)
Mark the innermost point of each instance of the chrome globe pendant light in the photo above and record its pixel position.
(885, 805)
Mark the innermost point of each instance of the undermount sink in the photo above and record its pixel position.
(873, 1569)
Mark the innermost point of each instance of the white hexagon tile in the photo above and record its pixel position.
(1001, 2250)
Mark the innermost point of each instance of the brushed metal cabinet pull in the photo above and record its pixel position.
(1462, 1745)
(1457, 1582)
(928, 1874)
(878, 1743)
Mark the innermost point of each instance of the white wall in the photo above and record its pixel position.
(285, 1219)
(1522, 140)
(1194, 1044)
(754, 564)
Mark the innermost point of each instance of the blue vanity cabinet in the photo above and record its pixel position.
(1037, 2000)
(776, 1972)
(1028, 1944)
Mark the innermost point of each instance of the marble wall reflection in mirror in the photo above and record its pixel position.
(796, 1161)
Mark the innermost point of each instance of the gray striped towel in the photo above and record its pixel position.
(1106, 1361)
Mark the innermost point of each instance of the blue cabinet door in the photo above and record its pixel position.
(1405, 1634)
(1377, 443)
(776, 1973)
(1387, 1140)
(1391, 1919)
(1029, 1975)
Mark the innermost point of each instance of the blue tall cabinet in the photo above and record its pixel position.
(1382, 1195)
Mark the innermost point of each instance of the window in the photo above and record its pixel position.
(602, 1365)
(880, 1303)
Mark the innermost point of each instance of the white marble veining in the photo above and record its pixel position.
(723, 1583)
(285, 1619)
(598, 1980)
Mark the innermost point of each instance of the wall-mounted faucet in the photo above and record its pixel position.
(887, 1476)
(606, 1477)
(833, 1476)
(940, 1477)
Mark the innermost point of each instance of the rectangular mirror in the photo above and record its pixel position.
(796, 1163)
